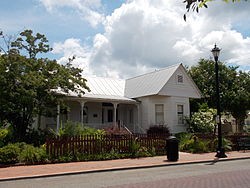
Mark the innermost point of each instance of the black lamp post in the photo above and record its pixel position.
(220, 150)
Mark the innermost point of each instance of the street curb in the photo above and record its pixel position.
(121, 168)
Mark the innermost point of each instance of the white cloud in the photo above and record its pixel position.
(87, 9)
(73, 48)
(144, 35)
(135, 37)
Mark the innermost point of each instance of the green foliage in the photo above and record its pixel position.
(143, 152)
(202, 121)
(113, 154)
(22, 152)
(5, 133)
(69, 157)
(71, 128)
(189, 142)
(246, 128)
(227, 144)
(10, 153)
(32, 44)
(29, 85)
(238, 98)
(158, 129)
(195, 5)
(140, 151)
(195, 145)
(183, 138)
(31, 154)
(36, 137)
(134, 148)
(203, 75)
(234, 88)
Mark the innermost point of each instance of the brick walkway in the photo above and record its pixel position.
(31, 171)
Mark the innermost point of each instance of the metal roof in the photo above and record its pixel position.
(101, 89)
(150, 83)
(106, 88)
(110, 89)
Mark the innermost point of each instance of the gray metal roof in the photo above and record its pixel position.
(106, 88)
(111, 89)
(150, 83)
(102, 89)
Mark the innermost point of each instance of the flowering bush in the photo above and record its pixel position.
(202, 121)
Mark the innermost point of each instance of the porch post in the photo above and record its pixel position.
(82, 108)
(114, 116)
(58, 118)
(138, 116)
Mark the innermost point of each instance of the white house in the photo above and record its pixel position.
(157, 98)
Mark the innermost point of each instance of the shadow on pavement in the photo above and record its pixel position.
(214, 161)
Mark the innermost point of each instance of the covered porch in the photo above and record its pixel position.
(100, 113)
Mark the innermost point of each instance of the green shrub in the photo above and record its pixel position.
(76, 129)
(92, 157)
(140, 151)
(6, 131)
(195, 145)
(152, 151)
(36, 137)
(3, 134)
(31, 154)
(9, 154)
(226, 144)
(158, 129)
(183, 138)
(22, 152)
(69, 157)
(134, 147)
(143, 152)
(191, 143)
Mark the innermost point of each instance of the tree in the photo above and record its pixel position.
(28, 85)
(238, 98)
(195, 5)
(203, 75)
(234, 88)
(32, 44)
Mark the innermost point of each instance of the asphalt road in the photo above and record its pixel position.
(228, 174)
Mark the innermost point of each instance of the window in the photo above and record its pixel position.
(179, 79)
(159, 113)
(180, 114)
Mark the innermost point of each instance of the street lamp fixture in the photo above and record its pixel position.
(220, 153)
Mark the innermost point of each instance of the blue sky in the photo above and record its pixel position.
(124, 38)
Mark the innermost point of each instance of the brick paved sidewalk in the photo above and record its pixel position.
(31, 171)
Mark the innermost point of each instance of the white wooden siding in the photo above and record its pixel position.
(170, 111)
(185, 89)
